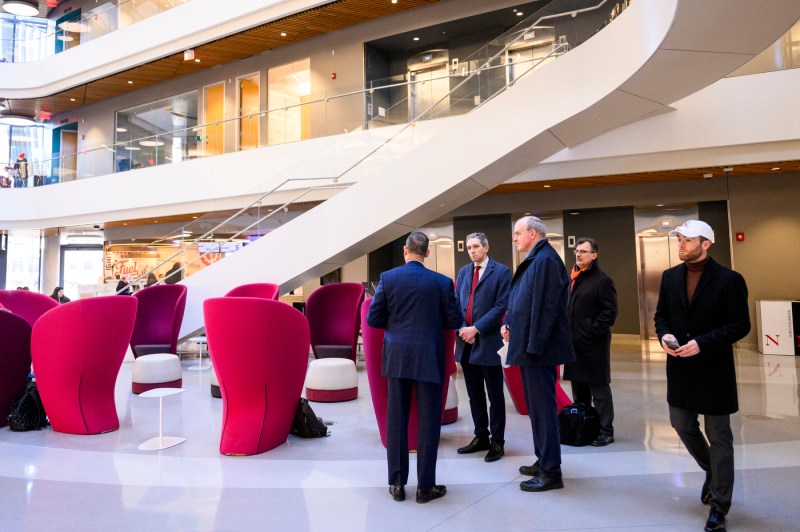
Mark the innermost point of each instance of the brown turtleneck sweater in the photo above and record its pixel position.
(694, 271)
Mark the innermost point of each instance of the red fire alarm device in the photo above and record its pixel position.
(333, 75)
(740, 237)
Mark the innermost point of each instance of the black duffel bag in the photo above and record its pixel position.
(578, 425)
(27, 412)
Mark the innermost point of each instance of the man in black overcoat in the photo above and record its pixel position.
(702, 311)
(592, 311)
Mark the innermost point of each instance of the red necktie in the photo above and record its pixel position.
(475, 278)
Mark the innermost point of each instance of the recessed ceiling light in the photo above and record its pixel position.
(22, 8)
(659, 205)
(196, 60)
(124, 223)
(519, 13)
(130, 82)
(283, 34)
(72, 99)
(394, 1)
(547, 186)
(776, 168)
(194, 217)
(708, 176)
(121, 130)
(416, 38)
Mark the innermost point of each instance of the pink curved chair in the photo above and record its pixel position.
(378, 387)
(334, 319)
(15, 361)
(515, 388)
(263, 290)
(26, 304)
(260, 373)
(77, 350)
(158, 319)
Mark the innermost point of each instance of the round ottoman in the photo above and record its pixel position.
(159, 370)
(331, 380)
(450, 414)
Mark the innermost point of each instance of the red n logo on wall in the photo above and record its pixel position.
(773, 340)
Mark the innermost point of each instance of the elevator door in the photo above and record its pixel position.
(427, 88)
(658, 253)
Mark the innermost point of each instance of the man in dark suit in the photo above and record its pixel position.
(414, 305)
(482, 289)
(538, 331)
(592, 312)
(702, 310)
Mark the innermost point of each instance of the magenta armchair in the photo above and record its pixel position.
(333, 312)
(158, 319)
(26, 304)
(77, 350)
(373, 355)
(15, 361)
(517, 391)
(260, 371)
(263, 290)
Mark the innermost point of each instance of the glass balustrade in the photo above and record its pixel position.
(385, 102)
(30, 39)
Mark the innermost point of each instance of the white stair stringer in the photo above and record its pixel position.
(652, 55)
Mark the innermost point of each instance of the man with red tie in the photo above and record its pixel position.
(482, 288)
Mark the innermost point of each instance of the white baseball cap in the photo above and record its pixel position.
(693, 229)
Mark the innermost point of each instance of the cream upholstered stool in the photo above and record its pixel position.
(331, 380)
(450, 414)
(159, 370)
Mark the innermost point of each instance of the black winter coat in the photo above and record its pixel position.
(717, 316)
(592, 311)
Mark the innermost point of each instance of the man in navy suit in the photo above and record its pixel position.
(478, 341)
(414, 305)
(538, 330)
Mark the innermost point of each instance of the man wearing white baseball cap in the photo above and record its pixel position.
(702, 311)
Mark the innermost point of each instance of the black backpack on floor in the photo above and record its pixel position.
(306, 424)
(578, 425)
(27, 412)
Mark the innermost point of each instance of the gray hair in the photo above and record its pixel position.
(532, 223)
(591, 241)
(417, 243)
(480, 237)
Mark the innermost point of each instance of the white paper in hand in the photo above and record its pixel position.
(503, 352)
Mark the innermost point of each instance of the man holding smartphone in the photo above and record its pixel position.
(702, 311)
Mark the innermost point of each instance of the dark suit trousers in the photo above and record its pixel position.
(539, 383)
(475, 377)
(429, 412)
(714, 456)
(599, 395)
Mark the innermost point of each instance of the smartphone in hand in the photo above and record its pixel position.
(672, 344)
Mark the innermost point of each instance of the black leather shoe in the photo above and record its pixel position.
(530, 470)
(542, 483)
(477, 444)
(436, 492)
(705, 493)
(602, 440)
(495, 453)
(716, 521)
(398, 492)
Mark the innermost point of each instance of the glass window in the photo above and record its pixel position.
(23, 262)
(27, 141)
(156, 133)
(288, 87)
(23, 39)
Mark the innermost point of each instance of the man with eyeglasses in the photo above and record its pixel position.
(702, 311)
(592, 311)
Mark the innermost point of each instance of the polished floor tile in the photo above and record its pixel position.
(644, 481)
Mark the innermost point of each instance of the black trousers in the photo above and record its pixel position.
(599, 396)
(714, 456)
(482, 381)
(539, 383)
(429, 415)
